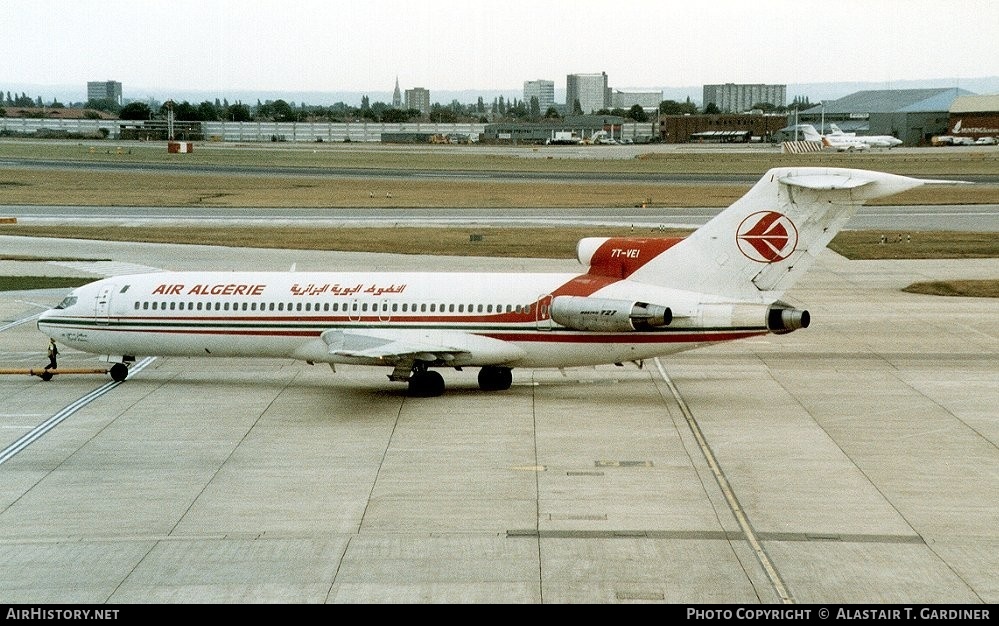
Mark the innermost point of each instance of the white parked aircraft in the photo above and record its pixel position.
(637, 299)
(840, 142)
(877, 141)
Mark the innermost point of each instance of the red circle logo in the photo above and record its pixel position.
(767, 237)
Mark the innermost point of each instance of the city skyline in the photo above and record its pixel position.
(226, 48)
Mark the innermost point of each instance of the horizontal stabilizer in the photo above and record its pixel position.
(825, 182)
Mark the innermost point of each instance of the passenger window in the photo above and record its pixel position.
(145, 306)
(489, 309)
(136, 306)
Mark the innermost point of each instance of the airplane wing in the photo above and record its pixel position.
(389, 346)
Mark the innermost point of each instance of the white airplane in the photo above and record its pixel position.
(839, 142)
(638, 298)
(877, 141)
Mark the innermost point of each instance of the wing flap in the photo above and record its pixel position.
(392, 345)
(382, 345)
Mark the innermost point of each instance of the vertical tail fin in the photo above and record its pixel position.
(810, 133)
(758, 247)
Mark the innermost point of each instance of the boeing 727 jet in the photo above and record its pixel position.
(637, 298)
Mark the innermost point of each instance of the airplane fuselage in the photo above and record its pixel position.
(285, 315)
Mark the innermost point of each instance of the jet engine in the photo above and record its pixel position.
(784, 320)
(603, 314)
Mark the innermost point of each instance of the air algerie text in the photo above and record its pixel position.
(210, 290)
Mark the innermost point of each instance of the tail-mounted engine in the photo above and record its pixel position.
(784, 320)
(602, 314)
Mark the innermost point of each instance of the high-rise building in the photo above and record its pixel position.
(418, 98)
(543, 90)
(737, 98)
(590, 90)
(104, 90)
(396, 95)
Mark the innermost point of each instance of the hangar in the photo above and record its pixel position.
(974, 117)
(913, 115)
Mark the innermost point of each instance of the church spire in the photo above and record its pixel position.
(396, 95)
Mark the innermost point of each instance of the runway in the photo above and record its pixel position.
(856, 461)
(974, 217)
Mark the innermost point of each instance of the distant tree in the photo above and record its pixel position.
(3, 112)
(365, 103)
(57, 105)
(208, 112)
(281, 111)
(135, 111)
(442, 114)
(638, 114)
(535, 107)
(480, 106)
(766, 107)
(518, 110)
(395, 116)
(799, 103)
(552, 114)
(711, 109)
(107, 105)
(577, 109)
(238, 113)
(672, 107)
(502, 106)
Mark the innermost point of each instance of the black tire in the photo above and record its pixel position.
(492, 378)
(427, 384)
(119, 372)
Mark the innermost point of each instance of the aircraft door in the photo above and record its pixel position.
(384, 311)
(354, 310)
(543, 312)
(102, 304)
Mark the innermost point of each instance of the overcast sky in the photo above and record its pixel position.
(300, 45)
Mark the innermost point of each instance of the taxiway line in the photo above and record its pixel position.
(733, 502)
(38, 431)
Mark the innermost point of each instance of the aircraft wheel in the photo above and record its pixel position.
(426, 384)
(119, 372)
(492, 378)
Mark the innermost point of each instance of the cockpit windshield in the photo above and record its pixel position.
(67, 302)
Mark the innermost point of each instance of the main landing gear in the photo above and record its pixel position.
(493, 378)
(426, 383)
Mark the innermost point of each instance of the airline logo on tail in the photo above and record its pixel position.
(767, 237)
